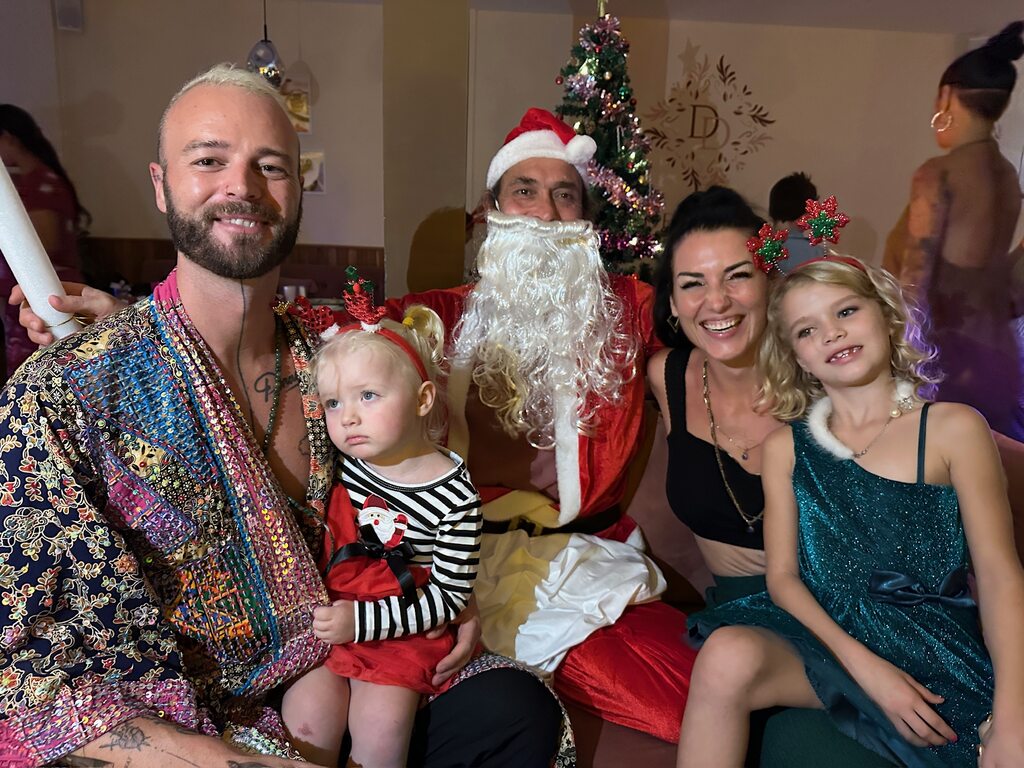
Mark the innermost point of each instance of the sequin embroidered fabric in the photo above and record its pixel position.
(149, 561)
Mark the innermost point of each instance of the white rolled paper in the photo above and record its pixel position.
(28, 260)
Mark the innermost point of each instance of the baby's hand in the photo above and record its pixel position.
(335, 623)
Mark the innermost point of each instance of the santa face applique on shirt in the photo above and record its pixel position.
(389, 527)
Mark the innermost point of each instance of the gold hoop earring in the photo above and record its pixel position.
(673, 323)
(942, 121)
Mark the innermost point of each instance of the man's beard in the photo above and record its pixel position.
(542, 319)
(247, 257)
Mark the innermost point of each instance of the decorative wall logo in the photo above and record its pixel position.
(707, 127)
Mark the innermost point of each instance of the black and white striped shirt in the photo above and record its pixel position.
(444, 522)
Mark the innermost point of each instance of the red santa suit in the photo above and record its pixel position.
(581, 605)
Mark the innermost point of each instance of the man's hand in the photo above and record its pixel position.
(81, 301)
(466, 640)
(335, 623)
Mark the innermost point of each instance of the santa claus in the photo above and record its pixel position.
(545, 400)
(387, 527)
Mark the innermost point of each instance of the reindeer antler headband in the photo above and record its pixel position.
(358, 298)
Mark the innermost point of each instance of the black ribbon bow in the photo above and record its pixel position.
(900, 589)
(396, 557)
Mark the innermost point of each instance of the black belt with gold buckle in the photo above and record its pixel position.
(591, 524)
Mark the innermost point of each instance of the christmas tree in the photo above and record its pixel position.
(599, 102)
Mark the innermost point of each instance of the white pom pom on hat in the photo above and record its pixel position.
(541, 134)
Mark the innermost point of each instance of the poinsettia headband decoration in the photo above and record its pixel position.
(822, 221)
(768, 249)
(358, 298)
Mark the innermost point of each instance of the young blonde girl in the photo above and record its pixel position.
(401, 549)
(876, 504)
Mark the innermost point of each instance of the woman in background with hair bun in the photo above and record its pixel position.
(959, 228)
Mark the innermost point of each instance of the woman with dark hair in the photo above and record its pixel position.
(52, 205)
(952, 257)
(710, 304)
(711, 312)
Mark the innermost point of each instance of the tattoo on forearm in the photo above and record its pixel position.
(130, 737)
(264, 385)
(291, 381)
(127, 736)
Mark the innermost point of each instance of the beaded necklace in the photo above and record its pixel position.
(268, 435)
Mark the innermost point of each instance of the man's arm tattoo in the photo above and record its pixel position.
(127, 736)
(291, 381)
(74, 761)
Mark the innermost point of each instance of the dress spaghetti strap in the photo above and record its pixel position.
(920, 442)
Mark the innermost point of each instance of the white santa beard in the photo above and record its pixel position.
(541, 318)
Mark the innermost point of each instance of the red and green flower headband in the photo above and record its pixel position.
(821, 221)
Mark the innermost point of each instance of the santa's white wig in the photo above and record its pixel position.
(542, 326)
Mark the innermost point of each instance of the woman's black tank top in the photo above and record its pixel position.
(694, 485)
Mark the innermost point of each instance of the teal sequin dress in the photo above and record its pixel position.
(888, 561)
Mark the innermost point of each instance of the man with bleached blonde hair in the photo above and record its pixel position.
(166, 472)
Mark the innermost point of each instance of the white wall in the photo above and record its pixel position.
(117, 76)
(851, 108)
(514, 59)
(28, 66)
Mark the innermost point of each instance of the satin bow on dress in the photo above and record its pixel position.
(900, 589)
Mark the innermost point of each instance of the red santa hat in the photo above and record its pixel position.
(541, 134)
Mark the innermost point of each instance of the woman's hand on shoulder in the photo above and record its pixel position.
(907, 703)
(82, 301)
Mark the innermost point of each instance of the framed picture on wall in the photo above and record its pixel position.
(296, 93)
(314, 172)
